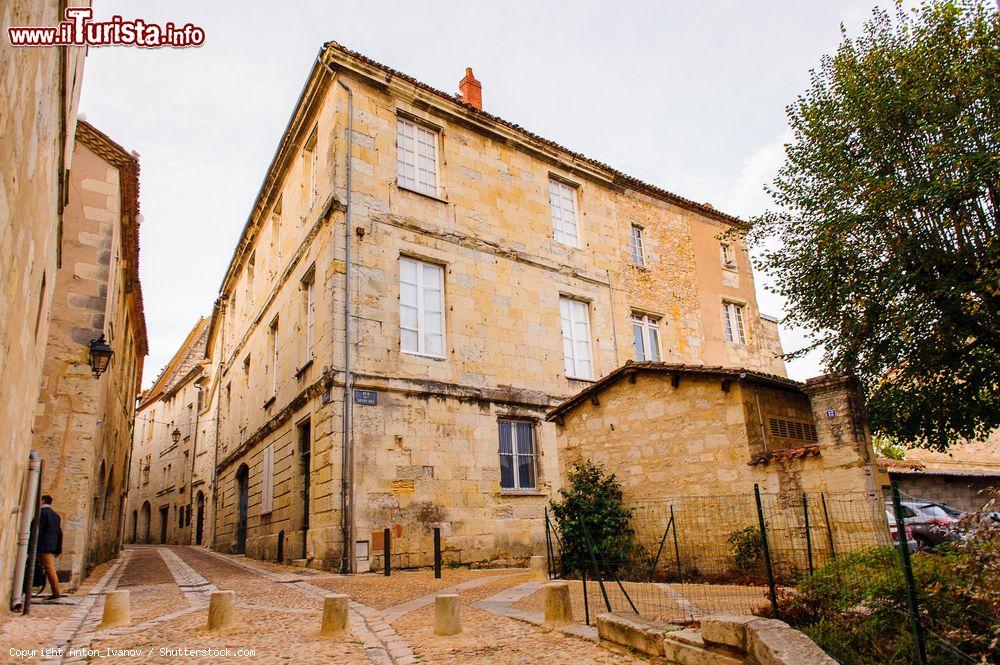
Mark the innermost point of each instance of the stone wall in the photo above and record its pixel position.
(41, 90)
(83, 425)
(427, 453)
(962, 492)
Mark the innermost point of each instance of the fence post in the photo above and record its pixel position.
(677, 549)
(809, 542)
(772, 591)
(597, 569)
(437, 553)
(550, 559)
(387, 537)
(829, 531)
(659, 551)
(586, 604)
(911, 586)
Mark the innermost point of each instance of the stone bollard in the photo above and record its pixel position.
(446, 616)
(334, 615)
(558, 610)
(539, 569)
(221, 610)
(116, 609)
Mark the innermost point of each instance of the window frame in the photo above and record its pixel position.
(727, 255)
(648, 323)
(558, 184)
(274, 348)
(267, 481)
(420, 305)
(733, 317)
(574, 305)
(636, 234)
(309, 303)
(435, 132)
(516, 453)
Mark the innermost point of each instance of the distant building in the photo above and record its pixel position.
(83, 425)
(41, 92)
(966, 476)
(174, 451)
(493, 274)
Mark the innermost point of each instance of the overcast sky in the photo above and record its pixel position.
(689, 96)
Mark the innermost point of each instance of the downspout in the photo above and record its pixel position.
(24, 529)
(347, 454)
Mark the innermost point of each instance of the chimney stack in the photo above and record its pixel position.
(472, 90)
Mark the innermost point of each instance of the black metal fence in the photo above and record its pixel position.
(829, 564)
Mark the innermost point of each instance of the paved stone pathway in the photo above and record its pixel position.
(278, 613)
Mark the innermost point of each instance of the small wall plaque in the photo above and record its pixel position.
(830, 413)
(366, 397)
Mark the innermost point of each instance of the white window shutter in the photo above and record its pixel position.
(267, 481)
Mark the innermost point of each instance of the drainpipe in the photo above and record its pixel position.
(347, 456)
(24, 528)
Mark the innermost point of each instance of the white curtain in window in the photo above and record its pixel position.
(576, 338)
(421, 307)
(562, 198)
(416, 157)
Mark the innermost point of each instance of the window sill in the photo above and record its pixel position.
(522, 493)
(729, 267)
(580, 378)
(422, 355)
(269, 402)
(302, 370)
(432, 197)
(636, 266)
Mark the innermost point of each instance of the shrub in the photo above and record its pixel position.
(590, 509)
(855, 607)
(748, 549)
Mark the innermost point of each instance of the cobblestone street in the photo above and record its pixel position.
(278, 616)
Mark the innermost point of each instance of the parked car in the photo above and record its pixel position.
(894, 532)
(931, 523)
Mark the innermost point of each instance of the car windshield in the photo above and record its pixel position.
(904, 509)
(954, 512)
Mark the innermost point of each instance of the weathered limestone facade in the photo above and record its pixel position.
(476, 233)
(170, 482)
(41, 90)
(675, 430)
(83, 425)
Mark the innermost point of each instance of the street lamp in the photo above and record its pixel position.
(175, 435)
(100, 355)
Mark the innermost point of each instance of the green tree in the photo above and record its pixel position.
(885, 446)
(884, 236)
(590, 509)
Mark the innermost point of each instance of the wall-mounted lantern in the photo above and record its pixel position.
(100, 355)
(175, 435)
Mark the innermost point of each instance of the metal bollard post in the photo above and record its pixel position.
(437, 553)
(387, 537)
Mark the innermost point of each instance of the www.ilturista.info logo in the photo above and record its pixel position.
(79, 30)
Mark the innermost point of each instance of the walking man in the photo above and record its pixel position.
(50, 543)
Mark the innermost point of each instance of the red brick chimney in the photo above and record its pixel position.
(472, 90)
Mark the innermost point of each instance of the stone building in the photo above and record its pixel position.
(83, 425)
(41, 91)
(174, 450)
(966, 476)
(689, 443)
(492, 273)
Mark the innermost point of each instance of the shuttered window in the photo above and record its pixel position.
(267, 481)
(421, 307)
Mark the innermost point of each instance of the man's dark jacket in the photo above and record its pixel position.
(49, 531)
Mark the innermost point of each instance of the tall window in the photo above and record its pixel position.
(267, 481)
(562, 198)
(250, 268)
(638, 258)
(732, 319)
(416, 157)
(190, 423)
(310, 176)
(646, 337)
(309, 312)
(727, 255)
(272, 337)
(421, 307)
(517, 455)
(576, 338)
(276, 234)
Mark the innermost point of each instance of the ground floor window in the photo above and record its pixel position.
(517, 455)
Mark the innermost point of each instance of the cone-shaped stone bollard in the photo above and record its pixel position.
(334, 616)
(539, 569)
(446, 617)
(117, 612)
(221, 610)
(558, 610)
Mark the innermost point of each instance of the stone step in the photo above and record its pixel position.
(685, 647)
